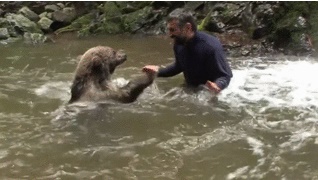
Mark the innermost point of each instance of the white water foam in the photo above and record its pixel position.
(289, 83)
(284, 84)
(54, 90)
(61, 90)
(257, 146)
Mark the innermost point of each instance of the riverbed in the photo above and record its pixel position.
(263, 126)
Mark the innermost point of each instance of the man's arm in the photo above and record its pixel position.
(171, 70)
(218, 85)
(218, 61)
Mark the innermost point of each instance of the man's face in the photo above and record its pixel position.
(176, 33)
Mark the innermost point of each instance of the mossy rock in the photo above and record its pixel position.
(135, 20)
(23, 23)
(3, 23)
(110, 9)
(132, 6)
(109, 27)
(80, 23)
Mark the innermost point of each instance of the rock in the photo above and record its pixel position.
(110, 9)
(52, 8)
(257, 18)
(81, 24)
(25, 11)
(1, 12)
(9, 40)
(44, 14)
(66, 15)
(211, 24)
(22, 24)
(4, 34)
(12, 31)
(49, 15)
(138, 19)
(193, 5)
(301, 23)
(245, 52)
(34, 38)
(221, 16)
(45, 23)
(261, 66)
(3, 22)
(61, 5)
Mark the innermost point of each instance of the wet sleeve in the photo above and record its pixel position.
(171, 70)
(223, 82)
(223, 69)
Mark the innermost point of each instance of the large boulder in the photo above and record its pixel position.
(52, 8)
(66, 15)
(25, 11)
(136, 20)
(45, 23)
(257, 18)
(22, 24)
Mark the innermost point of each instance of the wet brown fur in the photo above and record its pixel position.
(92, 81)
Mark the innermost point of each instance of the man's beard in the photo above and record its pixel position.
(179, 40)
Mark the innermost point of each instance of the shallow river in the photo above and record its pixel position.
(263, 126)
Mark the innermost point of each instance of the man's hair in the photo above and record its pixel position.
(182, 16)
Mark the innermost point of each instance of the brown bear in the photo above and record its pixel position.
(92, 81)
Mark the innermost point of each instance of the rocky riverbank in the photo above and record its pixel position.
(245, 28)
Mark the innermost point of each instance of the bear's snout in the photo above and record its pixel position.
(121, 55)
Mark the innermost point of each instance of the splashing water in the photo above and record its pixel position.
(263, 126)
(290, 84)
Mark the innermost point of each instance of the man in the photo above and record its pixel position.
(198, 55)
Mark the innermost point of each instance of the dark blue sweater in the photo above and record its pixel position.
(200, 59)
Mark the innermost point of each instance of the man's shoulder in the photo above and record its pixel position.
(203, 33)
(207, 36)
(209, 39)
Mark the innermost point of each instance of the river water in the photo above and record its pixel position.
(263, 126)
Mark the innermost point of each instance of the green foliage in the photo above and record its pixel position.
(201, 26)
(110, 9)
(110, 27)
(288, 21)
(114, 20)
(300, 7)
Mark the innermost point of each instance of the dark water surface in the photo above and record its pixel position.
(264, 126)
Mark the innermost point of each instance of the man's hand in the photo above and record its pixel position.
(213, 87)
(150, 68)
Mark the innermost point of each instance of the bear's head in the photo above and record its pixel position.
(100, 61)
(95, 68)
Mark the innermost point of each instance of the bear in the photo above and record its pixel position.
(92, 80)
